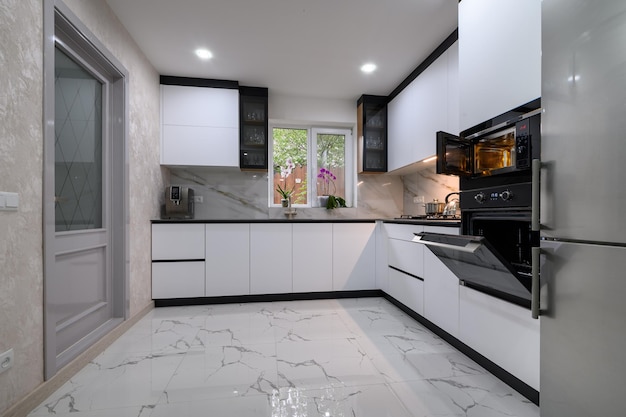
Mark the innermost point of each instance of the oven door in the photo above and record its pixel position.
(454, 155)
(479, 266)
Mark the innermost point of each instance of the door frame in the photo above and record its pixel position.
(58, 17)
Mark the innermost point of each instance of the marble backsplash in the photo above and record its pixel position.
(232, 194)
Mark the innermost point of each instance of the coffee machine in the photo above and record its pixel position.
(178, 202)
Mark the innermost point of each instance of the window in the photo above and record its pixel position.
(311, 162)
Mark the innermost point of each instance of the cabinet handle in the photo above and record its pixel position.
(534, 301)
(535, 228)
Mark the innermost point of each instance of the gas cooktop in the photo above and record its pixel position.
(428, 217)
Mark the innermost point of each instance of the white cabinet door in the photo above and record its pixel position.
(453, 90)
(227, 259)
(416, 114)
(177, 241)
(382, 271)
(499, 64)
(503, 332)
(200, 146)
(312, 257)
(177, 279)
(200, 106)
(441, 289)
(200, 126)
(406, 256)
(270, 258)
(431, 108)
(354, 256)
(407, 289)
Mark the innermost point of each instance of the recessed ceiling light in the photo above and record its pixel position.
(204, 53)
(368, 68)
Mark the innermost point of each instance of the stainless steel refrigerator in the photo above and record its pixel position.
(583, 208)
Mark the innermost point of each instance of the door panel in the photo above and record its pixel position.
(79, 291)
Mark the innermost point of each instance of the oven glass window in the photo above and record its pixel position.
(512, 239)
(496, 152)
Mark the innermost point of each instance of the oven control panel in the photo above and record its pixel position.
(512, 195)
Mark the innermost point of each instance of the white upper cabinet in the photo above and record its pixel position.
(499, 57)
(425, 106)
(199, 126)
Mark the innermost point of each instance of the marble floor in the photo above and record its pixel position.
(333, 358)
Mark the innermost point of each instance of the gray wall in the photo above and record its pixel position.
(21, 165)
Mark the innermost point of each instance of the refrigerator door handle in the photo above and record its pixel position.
(535, 228)
(535, 285)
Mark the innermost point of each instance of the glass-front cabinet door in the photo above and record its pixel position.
(372, 133)
(253, 128)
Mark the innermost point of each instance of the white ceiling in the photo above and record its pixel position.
(307, 48)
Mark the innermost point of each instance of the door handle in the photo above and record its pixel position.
(535, 228)
(469, 247)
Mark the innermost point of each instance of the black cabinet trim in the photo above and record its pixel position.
(406, 273)
(198, 82)
(256, 298)
(443, 47)
(154, 261)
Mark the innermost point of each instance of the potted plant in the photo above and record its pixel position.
(326, 199)
(285, 194)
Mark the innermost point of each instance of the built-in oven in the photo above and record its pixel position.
(497, 147)
(497, 251)
(494, 252)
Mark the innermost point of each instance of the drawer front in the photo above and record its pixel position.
(406, 256)
(407, 289)
(177, 241)
(402, 231)
(177, 279)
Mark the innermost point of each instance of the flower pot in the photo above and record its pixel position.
(322, 200)
(284, 202)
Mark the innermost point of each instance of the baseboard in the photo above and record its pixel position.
(259, 298)
(505, 376)
(47, 388)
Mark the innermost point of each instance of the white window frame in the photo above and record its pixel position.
(312, 168)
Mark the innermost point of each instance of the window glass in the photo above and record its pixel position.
(330, 170)
(290, 154)
(310, 162)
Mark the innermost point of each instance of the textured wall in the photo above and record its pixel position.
(21, 158)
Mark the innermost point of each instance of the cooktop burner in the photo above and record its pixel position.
(428, 217)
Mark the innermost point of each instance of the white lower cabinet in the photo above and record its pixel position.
(227, 259)
(177, 279)
(407, 289)
(270, 258)
(503, 332)
(441, 289)
(312, 257)
(354, 256)
(382, 269)
(177, 241)
(406, 256)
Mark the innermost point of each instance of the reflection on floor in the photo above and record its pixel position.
(333, 358)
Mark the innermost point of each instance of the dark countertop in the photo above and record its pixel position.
(285, 220)
(425, 222)
(422, 222)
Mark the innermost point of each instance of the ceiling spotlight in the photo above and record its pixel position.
(204, 54)
(368, 68)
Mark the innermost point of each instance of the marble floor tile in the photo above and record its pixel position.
(331, 358)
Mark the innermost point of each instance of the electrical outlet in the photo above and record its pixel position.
(6, 360)
(198, 199)
(418, 199)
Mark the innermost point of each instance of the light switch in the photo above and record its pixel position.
(9, 201)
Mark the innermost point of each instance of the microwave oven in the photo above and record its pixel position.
(503, 148)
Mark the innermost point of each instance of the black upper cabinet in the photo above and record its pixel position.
(253, 128)
(372, 133)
